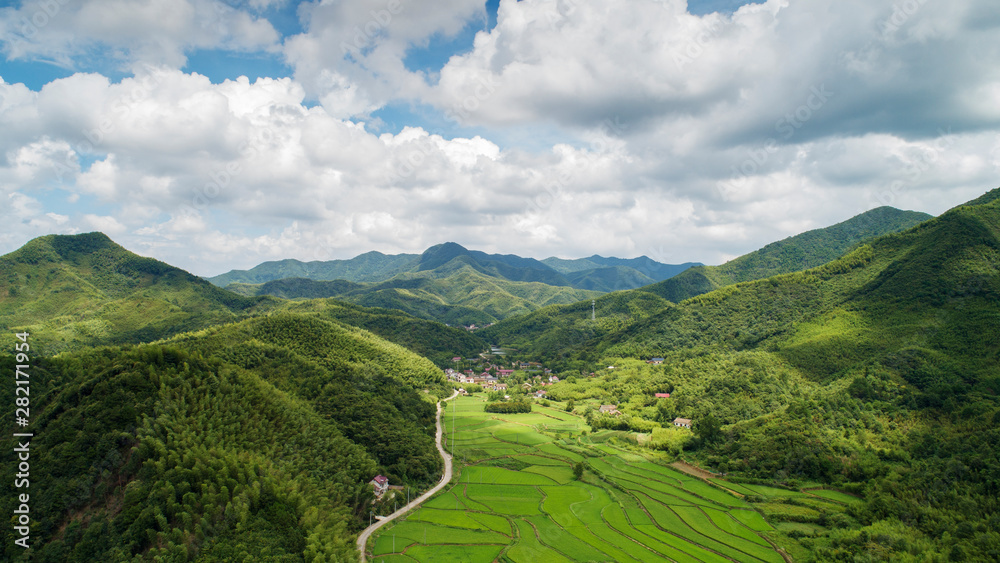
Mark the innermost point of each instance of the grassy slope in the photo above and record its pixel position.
(807, 250)
(427, 338)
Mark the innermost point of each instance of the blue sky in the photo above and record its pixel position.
(216, 134)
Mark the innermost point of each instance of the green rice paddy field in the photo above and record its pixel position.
(515, 499)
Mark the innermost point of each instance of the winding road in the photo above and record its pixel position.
(445, 479)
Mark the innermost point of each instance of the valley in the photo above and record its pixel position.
(830, 397)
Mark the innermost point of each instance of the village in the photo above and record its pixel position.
(491, 376)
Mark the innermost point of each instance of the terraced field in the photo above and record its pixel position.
(515, 499)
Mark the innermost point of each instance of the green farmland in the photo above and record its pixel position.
(514, 498)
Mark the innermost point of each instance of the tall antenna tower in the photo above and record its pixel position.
(593, 309)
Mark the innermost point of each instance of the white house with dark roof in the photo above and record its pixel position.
(682, 422)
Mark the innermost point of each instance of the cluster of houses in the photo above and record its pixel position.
(491, 382)
(491, 375)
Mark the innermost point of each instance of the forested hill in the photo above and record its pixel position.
(884, 295)
(793, 254)
(249, 440)
(85, 289)
(430, 339)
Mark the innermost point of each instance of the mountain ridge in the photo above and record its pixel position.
(375, 267)
(799, 252)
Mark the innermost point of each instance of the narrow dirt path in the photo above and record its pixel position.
(445, 479)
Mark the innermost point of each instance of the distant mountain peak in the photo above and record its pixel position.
(440, 254)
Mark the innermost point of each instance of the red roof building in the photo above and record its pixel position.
(381, 484)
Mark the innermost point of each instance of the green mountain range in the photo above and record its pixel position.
(595, 273)
(455, 294)
(175, 420)
(555, 332)
(647, 267)
(85, 290)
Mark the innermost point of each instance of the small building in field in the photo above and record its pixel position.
(663, 395)
(655, 361)
(500, 386)
(505, 372)
(682, 422)
(457, 359)
(553, 379)
(540, 394)
(611, 410)
(381, 484)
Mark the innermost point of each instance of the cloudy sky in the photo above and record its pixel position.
(217, 134)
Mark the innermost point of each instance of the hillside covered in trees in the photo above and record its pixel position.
(876, 373)
(252, 438)
(248, 430)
